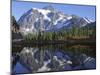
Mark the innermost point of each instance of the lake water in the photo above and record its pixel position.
(51, 58)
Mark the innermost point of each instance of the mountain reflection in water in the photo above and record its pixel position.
(56, 58)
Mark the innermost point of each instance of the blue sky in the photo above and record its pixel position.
(19, 8)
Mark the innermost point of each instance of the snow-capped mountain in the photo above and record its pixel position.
(48, 18)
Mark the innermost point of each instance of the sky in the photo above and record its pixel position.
(19, 8)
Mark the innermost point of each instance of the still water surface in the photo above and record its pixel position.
(51, 58)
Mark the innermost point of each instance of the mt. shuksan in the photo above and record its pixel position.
(48, 19)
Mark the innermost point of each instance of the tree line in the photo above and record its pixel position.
(73, 33)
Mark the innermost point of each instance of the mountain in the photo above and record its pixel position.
(15, 29)
(91, 25)
(48, 19)
(15, 26)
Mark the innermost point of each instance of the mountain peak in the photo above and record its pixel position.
(49, 7)
(89, 21)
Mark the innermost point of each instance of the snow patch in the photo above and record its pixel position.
(70, 17)
(88, 21)
(63, 18)
(44, 12)
(44, 67)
